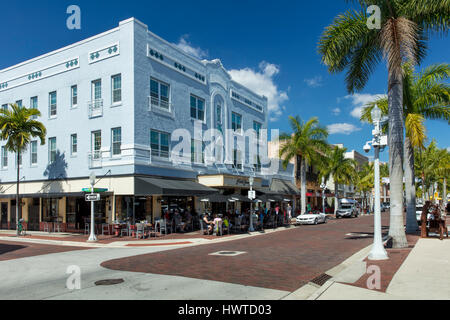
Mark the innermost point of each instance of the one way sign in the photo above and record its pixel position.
(93, 197)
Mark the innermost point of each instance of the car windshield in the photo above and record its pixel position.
(419, 208)
(346, 206)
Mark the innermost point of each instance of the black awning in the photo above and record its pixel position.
(49, 195)
(284, 187)
(170, 187)
(216, 198)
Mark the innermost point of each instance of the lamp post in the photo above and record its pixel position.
(323, 186)
(251, 229)
(92, 237)
(379, 141)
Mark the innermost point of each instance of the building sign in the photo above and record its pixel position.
(228, 181)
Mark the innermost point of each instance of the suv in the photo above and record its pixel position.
(347, 210)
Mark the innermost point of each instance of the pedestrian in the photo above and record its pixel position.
(289, 211)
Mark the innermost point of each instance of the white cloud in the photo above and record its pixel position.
(359, 101)
(314, 82)
(187, 47)
(342, 128)
(337, 111)
(262, 82)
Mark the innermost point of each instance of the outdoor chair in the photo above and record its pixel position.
(46, 227)
(140, 230)
(125, 231)
(105, 229)
(163, 226)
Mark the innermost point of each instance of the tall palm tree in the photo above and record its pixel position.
(348, 43)
(365, 181)
(17, 128)
(427, 161)
(341, 169)
(426, 95)
(309, 141)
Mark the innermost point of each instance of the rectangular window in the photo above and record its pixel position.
(33, 152)
(257, 127)
(74, 96)
(96, 90)
(237, 161)
(116, 141)
(236, 122)
(52, 104)
(4, 158)
(159, 93)
(197, 151)
(116, 88)
(51, 150)
(219, 114)
(96, 144)
(19, 103)
(5, 107)
(34, 105)
(73, 144)
(159, 142)
(197, 108)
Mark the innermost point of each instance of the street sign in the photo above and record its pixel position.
(252, 195)
(92, 197)
(96, 190)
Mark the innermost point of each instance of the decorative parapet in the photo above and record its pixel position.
(104, 53)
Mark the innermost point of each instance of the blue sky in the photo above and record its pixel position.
(270, 46)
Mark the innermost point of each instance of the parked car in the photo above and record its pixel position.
(311, 218)
(419, 209)
(347, 209)
(385, 206)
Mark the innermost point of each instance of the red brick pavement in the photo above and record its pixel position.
(282, 260)
(16, 250)
(389, 267)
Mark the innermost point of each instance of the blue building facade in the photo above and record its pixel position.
(114, 104)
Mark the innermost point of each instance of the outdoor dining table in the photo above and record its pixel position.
(118, 227)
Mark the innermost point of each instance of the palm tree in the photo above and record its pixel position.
(427, 161)
(17, 128)
(341, 169)
(425, 96)
(348, 43)
(365, 181)
(309, 141)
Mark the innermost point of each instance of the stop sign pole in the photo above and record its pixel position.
(92, 237)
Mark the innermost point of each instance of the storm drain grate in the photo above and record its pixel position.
(227, 253)
(321, 280)
(109, 282)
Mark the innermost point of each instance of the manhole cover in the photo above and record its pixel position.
(227, 253)
(109, 282)
(321, 280)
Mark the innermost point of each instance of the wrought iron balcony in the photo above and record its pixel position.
(96, 108)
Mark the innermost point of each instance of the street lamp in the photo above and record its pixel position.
(251, 180)
(92, 237)
(323, 186)
(379, 142)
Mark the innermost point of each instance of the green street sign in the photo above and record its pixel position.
(95, 190)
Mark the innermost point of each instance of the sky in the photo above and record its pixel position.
(269, 46)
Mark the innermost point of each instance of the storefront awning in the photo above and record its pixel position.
(216, 198)
(49, 195)
(170, 187)
(284, 187)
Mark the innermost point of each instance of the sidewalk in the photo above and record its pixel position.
(111, 241)
(423, 274)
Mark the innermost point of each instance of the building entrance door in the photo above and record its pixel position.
(4, 216)
(33, 216)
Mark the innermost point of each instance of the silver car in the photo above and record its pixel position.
(347, 210)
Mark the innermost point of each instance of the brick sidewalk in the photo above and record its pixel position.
(283, 260)
(388, 267)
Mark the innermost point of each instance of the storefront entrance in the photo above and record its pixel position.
(33, 215)
(4, 216)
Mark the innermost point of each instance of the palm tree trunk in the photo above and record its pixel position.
(336, 197)
(17, 195)
(444, 195)
(410, 188)
(303, 183)
(395, 97)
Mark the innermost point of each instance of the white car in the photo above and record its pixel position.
(419, 209)
(311, 218)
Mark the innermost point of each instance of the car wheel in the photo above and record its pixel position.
(316, 221)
